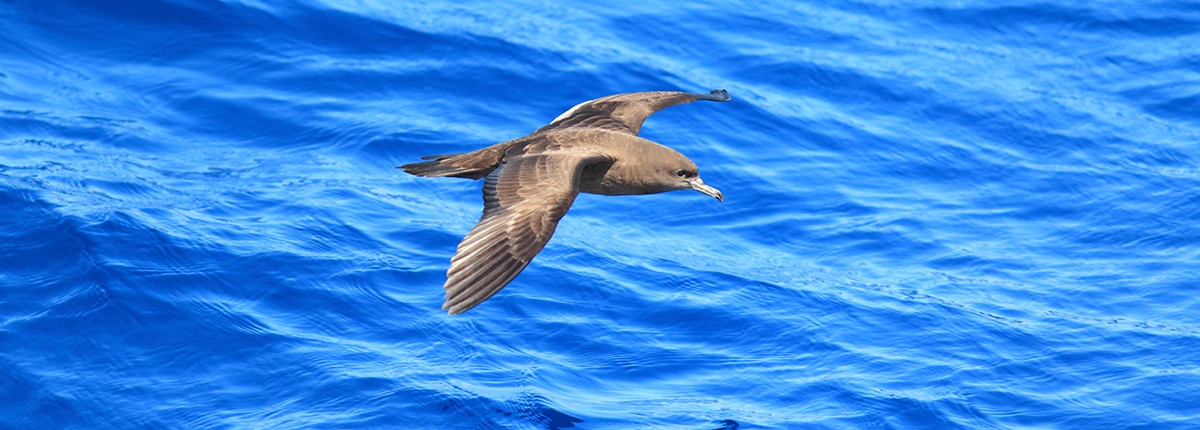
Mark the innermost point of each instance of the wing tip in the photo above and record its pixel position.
(717, 96)
(455, 305)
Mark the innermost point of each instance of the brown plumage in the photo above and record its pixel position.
(531, 182)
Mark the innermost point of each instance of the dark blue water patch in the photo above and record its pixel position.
(189, 328)
(134, 31)
(1175, 107)
(528, 409)
(534, 409)
(1165, 20)
(31, 404)
(66, 133)
(345, 33)
(47, 285)
(32, 227)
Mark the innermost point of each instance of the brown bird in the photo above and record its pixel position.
(532, 181)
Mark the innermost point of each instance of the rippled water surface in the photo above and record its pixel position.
(970, 214)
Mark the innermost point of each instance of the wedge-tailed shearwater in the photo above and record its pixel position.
(530, 182)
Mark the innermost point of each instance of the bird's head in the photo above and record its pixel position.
(680, 173)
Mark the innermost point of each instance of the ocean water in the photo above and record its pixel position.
(971, 214)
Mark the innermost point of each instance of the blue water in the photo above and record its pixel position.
(972, 214)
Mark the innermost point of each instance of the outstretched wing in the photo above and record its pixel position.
(626, 112)
(523, 200)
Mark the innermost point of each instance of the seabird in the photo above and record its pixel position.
(530, 182)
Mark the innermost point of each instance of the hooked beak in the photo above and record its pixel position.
(698, 185)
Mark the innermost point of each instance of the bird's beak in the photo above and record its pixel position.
(698, 185)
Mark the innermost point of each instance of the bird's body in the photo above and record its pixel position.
(530, 183)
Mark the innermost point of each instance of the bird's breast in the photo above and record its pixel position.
(601, 179)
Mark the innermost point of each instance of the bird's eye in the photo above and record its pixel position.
(681, 173)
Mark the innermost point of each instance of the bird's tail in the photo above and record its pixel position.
(455, 165)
